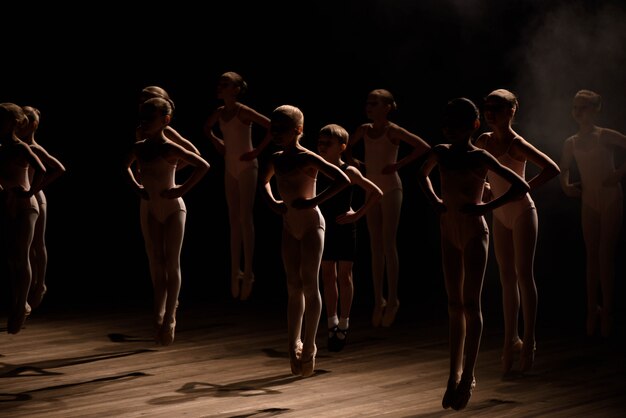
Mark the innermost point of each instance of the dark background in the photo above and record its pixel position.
(83, 67)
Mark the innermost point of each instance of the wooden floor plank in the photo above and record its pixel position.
(232, 362)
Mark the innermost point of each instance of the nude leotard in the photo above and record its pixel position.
(294, 184)
(237, 140)
(379, 153)
(14, 175)
(509, 213)
(157, 175)
(596, 164)
(456, 227)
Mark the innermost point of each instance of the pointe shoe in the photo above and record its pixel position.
(16, 319)
(463, 393)
(295, 357)
(308, 366)
(508, 352)
(235, 283)
(390, 314)
(166, 333)
(527, 357)
(246, 287)
(377, 315)
(35, 297)
(450, 394)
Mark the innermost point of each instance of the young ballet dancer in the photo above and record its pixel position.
(514, 225)
(464, 233)
(172, 134)
(235, 121)
(341, 234)
(54, 169)
(162, 209)
(21, 176)
(295, 169)
(592, 149)
(382, 140)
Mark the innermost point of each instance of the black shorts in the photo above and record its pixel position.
(340, 242)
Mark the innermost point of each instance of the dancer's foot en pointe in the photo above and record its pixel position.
(391, 310)
(167, 331)
(308, 362)
(510, 350)
(246, 286)
(295, 358)
(16, 319)
(36, 295)
(235, 284)
(463, 392)
(377, 315)
(450, 395)
(527, 358)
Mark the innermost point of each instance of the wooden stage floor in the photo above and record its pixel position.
(229, 359)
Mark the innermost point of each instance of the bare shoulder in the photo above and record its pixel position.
(611, 135)
(440, 149)
(482, 139)
(248, 114)
(353, 172)
(361, 129)
(569, 141)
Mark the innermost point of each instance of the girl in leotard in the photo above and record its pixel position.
(382, 140)
(515, 225)
(295, 169)
(464, 236)
(235, 121)
(162, 210)
(54, 169)
(341, 234)
(21, 176)
(592, 149)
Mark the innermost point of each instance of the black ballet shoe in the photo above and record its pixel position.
(338, 340)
